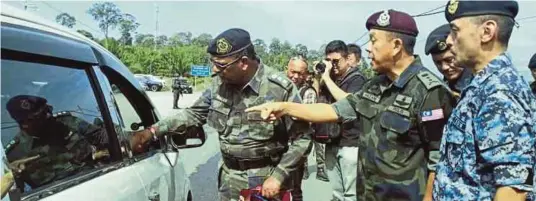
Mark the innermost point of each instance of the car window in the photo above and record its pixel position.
(51, 123)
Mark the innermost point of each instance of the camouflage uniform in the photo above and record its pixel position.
(401, 123)
(252, 150)
(66, 149)
(177, 92)
(310, 98)
(489, 139)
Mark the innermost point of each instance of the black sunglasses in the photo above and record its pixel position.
(225, 65)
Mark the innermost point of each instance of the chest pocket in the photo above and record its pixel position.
(217, 117)
(454, 142)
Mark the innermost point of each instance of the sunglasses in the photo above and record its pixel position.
(225, 65)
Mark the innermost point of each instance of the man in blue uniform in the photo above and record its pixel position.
(487, 152)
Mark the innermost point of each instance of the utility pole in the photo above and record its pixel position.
(155, 36)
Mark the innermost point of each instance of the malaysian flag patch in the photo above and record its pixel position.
(431, 115)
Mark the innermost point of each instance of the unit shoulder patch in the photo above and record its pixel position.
(280, 80)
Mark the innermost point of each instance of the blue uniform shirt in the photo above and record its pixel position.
(488, 141)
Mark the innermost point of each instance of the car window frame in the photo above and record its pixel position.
(71, 181)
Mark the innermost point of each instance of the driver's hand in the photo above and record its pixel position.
(138, 140)
(19, 166)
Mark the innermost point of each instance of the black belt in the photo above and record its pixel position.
(246, 164)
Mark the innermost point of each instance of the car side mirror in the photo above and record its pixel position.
(187, 137)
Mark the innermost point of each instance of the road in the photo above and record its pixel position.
(202, 162)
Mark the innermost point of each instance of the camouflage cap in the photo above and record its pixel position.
(437, 40)
(23, 107)
(229, 42)
(532, 62)
(456, 9)
(393, 21)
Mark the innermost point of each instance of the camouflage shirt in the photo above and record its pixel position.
(402, 127)
(66, 149)
(489, 139)
(222, 107)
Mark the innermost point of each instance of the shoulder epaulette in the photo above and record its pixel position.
(280, 80)
(429, 80)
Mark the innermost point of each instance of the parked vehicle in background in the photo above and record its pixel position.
(152, 82)
(66, 76)
(183, 83)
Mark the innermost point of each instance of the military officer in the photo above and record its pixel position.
(402, 110)
(532, 67)
(177, 91)
(50, 146)
(456, 77)
(254, 152)
(487, 152)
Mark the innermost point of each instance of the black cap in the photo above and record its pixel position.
(22, 107)
(437, 40)
(229, 42)
(456, 9)
(393, 21)
(532, 62)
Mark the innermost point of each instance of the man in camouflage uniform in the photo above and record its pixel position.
(487, 152)
(177, 91)
(402, 113)
(52, 146)
(457, 78)
(254, 152)
(532, 67)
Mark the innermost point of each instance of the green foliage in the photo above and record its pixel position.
(171, 55)
(66, 20)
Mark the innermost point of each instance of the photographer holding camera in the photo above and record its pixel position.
(340, 138)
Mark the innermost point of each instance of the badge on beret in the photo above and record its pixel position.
(223, 46)
(383, 19)
(441, 45)
(24, 104)
(453, 6)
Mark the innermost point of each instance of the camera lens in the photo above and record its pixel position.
(320, 67)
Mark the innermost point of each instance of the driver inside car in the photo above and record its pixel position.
(50, 146)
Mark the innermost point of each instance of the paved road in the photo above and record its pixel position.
(202, 162)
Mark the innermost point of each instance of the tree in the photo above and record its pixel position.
(86, 34)
(107, 14)
(301, 49)
(146, 40)
(127, 27)
(260, 47)
(202, 40)
(161, 40)
(275, 46)
(66, 20)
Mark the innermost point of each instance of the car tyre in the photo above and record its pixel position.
(154, 88)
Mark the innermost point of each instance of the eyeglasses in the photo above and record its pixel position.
(225, 65)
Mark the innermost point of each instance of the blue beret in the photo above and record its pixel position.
(437, 40)
(532, 62)
(23, 107)
(393, 21)
(229, 42)
(456, 9)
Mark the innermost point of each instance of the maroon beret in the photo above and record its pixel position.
(393, 21)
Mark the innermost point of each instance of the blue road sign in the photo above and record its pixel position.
(200, 71)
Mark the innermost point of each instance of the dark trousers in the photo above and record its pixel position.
(297, 178)
(176, 94)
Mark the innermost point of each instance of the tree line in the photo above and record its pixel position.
(171, 55)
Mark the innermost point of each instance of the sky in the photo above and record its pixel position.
(311, 23)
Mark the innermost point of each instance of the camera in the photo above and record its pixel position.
(320, 67)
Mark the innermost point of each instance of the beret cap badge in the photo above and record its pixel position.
(383, 19)
(24, 104)
(453, 6)
(441, 46)
(223, 46)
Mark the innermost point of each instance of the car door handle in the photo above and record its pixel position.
(154, 196)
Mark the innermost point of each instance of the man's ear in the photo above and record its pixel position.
(398, 45)
(488, 31)
(244, 62)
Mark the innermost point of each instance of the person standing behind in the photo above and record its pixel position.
(341, 139)
(177, 92)
(456, 77)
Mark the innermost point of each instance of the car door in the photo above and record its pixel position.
(69, 89)
(132, 111)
